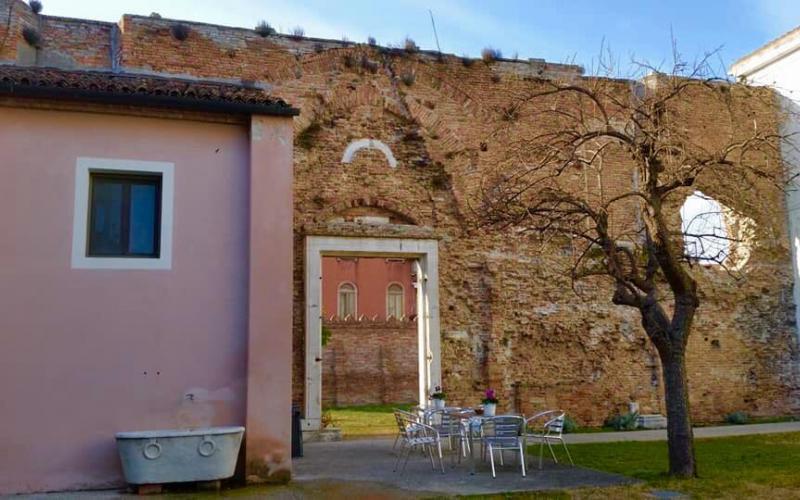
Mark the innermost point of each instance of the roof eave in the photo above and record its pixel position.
(146, 100)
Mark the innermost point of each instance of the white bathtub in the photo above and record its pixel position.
(176, 456)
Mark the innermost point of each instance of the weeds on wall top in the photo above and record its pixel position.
(371, 41)
(467, 61)
(264, 29)
(32, 37)
(179, 31)
(410, 46)
(490, 54)
(298, 32)
(36, 6)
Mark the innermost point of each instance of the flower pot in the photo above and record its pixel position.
(438, 404)
(489, 409)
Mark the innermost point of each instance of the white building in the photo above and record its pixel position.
(777, 64)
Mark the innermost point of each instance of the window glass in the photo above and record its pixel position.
(106, 231)
(347, 300)
(124, 215)
(142, 233)
(394, 301)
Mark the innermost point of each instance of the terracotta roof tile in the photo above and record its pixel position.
(144, 90)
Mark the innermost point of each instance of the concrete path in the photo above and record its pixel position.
(372, 461)
(699, 432)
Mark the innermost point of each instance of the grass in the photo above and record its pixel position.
(753, 467)
(367, 420)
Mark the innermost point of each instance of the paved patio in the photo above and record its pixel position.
(372, 461)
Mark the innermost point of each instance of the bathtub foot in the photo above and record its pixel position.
(149, 489)
(209, 485)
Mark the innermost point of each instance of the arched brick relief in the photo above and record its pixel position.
(400, 211)
(359, 144)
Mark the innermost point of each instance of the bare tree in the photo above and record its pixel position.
(554, 183)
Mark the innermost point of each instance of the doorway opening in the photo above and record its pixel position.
(373, 302)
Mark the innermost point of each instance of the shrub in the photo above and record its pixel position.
(298, 32)
(410, 45)
(737, 418)
(490, 54)
(367, 65)
(570, 425)
(626, 422)
(32, 36)
(263, 28)
(36, 6)
(305, 139)
(326, 419)
(408, 78)
(326, 335)
(371, 41)
(467, 61)
(179, 31)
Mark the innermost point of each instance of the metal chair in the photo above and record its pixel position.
(416, 435)
(401, 424)
(504, 433)
(551, 430)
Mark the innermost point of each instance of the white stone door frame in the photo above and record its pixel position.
(426, 253)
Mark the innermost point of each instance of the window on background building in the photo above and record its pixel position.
(395, 301)
(347, 300)
(124, 215)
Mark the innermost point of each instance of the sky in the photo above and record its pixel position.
(555, 30)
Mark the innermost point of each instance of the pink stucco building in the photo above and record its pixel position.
(147, 270)
(370, 287)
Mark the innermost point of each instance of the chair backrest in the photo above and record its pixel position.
(555, 426)
(443, 418)
(405, 420)
(553, 423)
(503, 426)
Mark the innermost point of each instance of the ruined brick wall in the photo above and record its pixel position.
(370, 362)
(509, 316)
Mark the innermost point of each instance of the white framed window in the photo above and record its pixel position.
(347, 300)
(395, 301)
(122, 214)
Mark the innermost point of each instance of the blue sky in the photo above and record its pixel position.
(558, 31)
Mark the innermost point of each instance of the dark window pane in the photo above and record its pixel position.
(143, 213)
(106, 219)
(124, 215)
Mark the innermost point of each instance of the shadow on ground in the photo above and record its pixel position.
(351, 470)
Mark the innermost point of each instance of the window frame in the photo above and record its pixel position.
(84, 169)
(127, 180)
(402, 300)
(339, 299)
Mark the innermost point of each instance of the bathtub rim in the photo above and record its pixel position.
(174, 433)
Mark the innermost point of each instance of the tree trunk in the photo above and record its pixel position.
(680, 438)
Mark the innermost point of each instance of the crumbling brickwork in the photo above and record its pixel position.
(370, 362)
(510, 318)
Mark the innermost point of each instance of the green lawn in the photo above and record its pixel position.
(368, 420)
(752, 467)
(765, 466)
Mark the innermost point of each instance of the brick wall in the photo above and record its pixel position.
(509, 315)
(370, 362)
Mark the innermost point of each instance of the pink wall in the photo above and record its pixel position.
(86, 353)
(372, 276)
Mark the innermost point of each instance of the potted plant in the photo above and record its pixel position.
(489, 403)
(437, 397)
